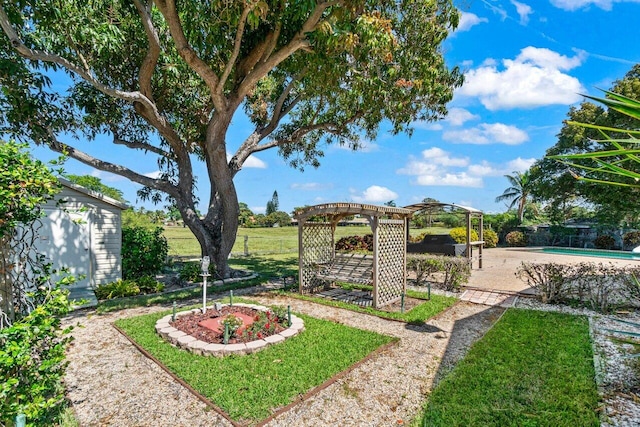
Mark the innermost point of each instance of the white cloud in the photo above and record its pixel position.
(154, 174)
(258, 209)
(572, 5)
(468, 20)
(524, 10)
(438, 168)
(251, 162)
(483, 169)
(487, 133)
(458, 116)
(374, 194)
(311, 186)
(519, 164)
(461, 179)
(534, 78)
(107, 176)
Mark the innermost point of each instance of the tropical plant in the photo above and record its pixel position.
(518, 193)
(594, 133)
(618, 165)
(165, 79)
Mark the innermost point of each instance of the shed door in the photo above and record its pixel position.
(65, 240)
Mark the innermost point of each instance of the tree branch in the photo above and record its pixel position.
(136, 145)
(236, 48)
(186, 52)
(36, 55)
(87, 159)
(151, 59)
(299, 41)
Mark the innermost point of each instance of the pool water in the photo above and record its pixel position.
(599, 253)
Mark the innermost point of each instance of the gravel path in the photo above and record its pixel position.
(111, 383)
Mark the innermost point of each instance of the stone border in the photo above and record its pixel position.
(190, 343)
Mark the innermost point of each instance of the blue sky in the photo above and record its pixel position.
(525, 63)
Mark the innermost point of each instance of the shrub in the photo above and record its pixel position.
(149, 285)
(604, 242)
(551, 280)
(192, 271)
(144, 252)
(355, 243)
(32, 365)
(117, 289)
(490, 238)
(459, 234)
(128, 288)
(631, 239)
(516, 238)
(419, 238)
(453, 272)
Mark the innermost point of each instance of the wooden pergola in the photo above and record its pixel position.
(316, 243)
(469, 213)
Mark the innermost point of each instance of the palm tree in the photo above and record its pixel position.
(518, 193)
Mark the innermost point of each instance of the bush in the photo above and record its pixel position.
(419, 238)
(451, 272)
(459, 234)
(600, 287)
(604, 242)
(516, 238)
(32, 365)
(490, 238)
(192, 271)
(355, 243)
(144, 252)
(551, 280)
(631, 239)
(128, 288)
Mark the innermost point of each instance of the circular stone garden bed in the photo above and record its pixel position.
(251, 328)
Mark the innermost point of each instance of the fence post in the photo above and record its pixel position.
(246, 245)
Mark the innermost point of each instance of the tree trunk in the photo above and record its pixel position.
(7, 314)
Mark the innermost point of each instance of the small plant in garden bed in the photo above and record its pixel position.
(131, 287)
(258, 324)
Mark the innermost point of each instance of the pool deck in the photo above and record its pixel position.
(499, 267)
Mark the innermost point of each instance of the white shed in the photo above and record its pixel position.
(82, 231)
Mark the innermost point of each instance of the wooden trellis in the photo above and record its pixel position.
(316, 243)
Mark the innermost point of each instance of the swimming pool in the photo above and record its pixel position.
(599, 253)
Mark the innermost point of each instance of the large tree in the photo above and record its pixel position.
(555, 182)
(166, 77)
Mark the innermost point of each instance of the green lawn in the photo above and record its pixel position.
(249, 388)
(276, 240)
(531, 369)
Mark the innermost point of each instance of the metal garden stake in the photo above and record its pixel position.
(204, 266)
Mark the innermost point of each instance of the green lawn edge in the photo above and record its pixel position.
(432, 306)
(532, 368)
(250, 388)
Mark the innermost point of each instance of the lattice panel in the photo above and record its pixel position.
(391, 261)
(317, 248)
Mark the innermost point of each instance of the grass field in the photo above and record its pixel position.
(278, 240)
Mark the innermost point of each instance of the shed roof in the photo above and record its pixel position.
(93, 194)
